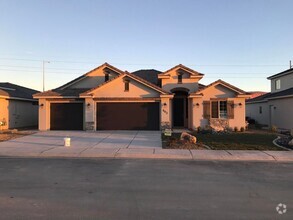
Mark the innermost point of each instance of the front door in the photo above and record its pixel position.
(178, 112)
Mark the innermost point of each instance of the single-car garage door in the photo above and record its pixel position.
(128, 116)
(66, 116)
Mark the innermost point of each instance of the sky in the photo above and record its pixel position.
(240, 42)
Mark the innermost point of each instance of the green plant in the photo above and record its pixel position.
(235, 129)
(242, 129)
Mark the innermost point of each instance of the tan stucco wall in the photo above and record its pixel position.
(252, 111)
(189, 83)
(166, 112)
(286, 82)
(94, 79)
(115, 89)
(4, 112)
(218, 92)
(44, 115)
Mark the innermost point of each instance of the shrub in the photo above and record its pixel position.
(235, 129)
(274, 128)
(242, 129)
(198, 129)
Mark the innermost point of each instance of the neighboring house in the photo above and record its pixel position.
(274, 108)
(254, 94)
(18, 109)
(107, 98)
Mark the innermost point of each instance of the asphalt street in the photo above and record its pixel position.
(143, 189)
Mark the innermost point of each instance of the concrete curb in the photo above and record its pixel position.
(145, 153)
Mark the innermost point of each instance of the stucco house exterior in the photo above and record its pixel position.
(18, 109)
(108, 98)
(276, 107)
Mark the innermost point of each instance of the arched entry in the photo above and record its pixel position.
(180, 108)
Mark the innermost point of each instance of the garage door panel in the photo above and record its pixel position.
(128, 116)
(66, 116)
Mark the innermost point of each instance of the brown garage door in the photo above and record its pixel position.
(128, 116)
(66, 116)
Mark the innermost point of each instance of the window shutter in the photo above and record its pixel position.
(230, 109)
(206, 109)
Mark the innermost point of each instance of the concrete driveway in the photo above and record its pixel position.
(87, 144)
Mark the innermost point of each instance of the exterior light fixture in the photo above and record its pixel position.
(88, 104)
(197, 104)
(41, 105)
(165, 104)
(240, 104)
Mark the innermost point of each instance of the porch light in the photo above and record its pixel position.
(41, 105)
(165, 104)
(240, 104)
(88, 104)
(197, 104)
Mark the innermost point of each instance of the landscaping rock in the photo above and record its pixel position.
(187, 137)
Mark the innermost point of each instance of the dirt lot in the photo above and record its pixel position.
(8, 135)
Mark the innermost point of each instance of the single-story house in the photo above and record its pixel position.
(107, 98)
(276, 107)
(18, 108)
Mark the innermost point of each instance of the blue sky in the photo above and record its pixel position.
(241, 42)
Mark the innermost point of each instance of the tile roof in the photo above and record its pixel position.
(15, 91)
(265, 97)
(150, 75)
(61, 93)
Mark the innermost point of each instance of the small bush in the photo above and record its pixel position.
(274, 128)
(235, 129)
(242, 129)
(198, 129)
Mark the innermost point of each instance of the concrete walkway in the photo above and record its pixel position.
(122, 144)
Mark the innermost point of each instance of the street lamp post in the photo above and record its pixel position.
(44, 73)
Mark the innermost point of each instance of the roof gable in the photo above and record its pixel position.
(181, 67)
(103, 66)
(224, 84)
(129, 75)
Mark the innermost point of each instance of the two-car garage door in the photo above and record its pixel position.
(128, 116)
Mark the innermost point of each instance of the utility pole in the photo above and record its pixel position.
(290, 64)
(44, 73)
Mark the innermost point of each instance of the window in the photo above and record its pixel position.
(260, 109)
(219, 109)
(179, 78)
(278, 84)
(106, 77)
(126, 85)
